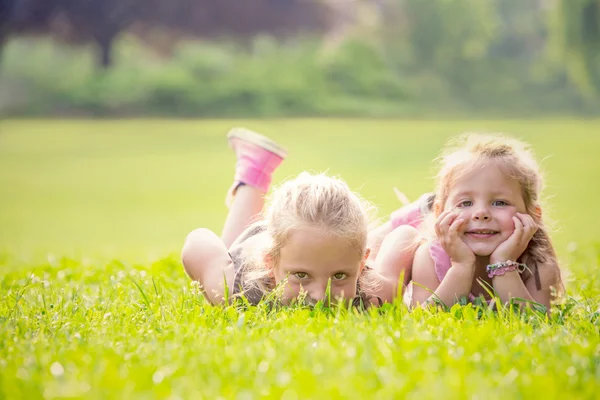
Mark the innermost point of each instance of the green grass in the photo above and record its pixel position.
(94, 302)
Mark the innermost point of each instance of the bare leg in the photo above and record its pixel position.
(396, 255)
(376, 238)
(410, 214)
(245, 209)
(257, 158)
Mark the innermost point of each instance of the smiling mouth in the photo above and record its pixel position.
(481, 233)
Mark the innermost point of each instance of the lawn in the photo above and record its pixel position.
(94, 302)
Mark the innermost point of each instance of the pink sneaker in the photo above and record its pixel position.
(257, 158)
(412, 214)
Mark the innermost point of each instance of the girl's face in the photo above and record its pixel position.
(311, 258)
(487, 199)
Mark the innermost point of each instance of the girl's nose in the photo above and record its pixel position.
(318, 292)
(317, 295)
(482, 214)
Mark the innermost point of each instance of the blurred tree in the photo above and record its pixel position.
(579, 32)
(19, 16)
(73, 21)
(439, 36)
(101, 21)
(162, 23)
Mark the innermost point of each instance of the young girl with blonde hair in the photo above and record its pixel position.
(310, 240)
(482, 229)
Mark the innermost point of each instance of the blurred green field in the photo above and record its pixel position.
(135, 188)
(94, 302)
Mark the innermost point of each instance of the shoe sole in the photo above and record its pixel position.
(256, 139)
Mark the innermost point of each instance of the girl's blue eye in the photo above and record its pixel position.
(339, 276)
(499, 203)
(301, 275)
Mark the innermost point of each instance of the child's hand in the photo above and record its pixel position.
(513, 247)
(447, 229)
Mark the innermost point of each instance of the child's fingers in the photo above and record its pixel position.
(448, 219)
(529, 225)
(441, 224)
(445, 224)
(518, 233)
(456, 224)
(441, 217)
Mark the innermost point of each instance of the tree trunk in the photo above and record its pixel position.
(105, 52)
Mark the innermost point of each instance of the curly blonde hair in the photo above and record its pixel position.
(309, 200)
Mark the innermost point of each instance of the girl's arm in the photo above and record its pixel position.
(511, 285)
(456, 284)
(377, 237)
(394, 261)
(206, 260)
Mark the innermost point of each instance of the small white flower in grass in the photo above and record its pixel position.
(56, 369)
(318, 369)
(351, 352)
(52, 260)
(22, 374)
(315, 345)
(572, 247)
(196, 288)
(263, 367)
(517, 339)
(511, 376)
(84, 387)
(158, 377)
(283, 378)
(571, 371)
(121, 275)
(143, 274)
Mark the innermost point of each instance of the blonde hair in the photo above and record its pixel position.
(513, 157)
(309, 200)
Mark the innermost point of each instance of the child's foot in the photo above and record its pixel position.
(412, 214)
(257, 158)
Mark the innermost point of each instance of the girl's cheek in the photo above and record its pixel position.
(346, 291)
(292, 287)
(509, 212)
(462, 213)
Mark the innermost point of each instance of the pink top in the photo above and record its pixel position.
(442, 262)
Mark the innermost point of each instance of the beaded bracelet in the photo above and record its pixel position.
(500, 268)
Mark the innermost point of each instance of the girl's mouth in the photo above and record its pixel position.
(481, 233)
